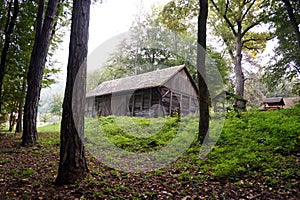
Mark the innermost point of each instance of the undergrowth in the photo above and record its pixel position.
(254, 143)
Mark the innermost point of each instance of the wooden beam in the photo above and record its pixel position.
(171, 102)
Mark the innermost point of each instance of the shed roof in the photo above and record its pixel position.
(145, 80)
(272, 100)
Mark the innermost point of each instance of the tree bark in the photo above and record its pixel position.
(36, 68)
(294, 23)
(12, 121)
(239, 75)
(72, 165)
(240, 104)
(19, 120)
(19, 127)
(9, 27)
(203, 89)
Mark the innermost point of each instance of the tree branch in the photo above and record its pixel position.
(227, 6)
(225, 17)
(249, 27)
(248, 9)
(252, 39)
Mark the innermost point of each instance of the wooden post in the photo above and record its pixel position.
(171, 102)
(133, 102)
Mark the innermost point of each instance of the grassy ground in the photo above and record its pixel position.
(256, 157)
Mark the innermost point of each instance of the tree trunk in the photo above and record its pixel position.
(239, 75)
(36, 68)
(12, 121)
(294, 23)
(19, 127)
(9, 27)
(19, 120)
(72, 165)
(203, 89)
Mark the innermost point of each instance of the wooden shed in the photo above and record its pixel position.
(153, 94)
(274, 103)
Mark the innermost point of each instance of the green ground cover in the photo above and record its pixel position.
(256, 157)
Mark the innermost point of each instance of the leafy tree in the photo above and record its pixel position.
(56, 105)
(43, 34)
(284, 66)
(72, 164)
(294, 22)
(234, 22)
(12, 7)
(45, 117)
(17, 59)
(153, 45)
(18, 56)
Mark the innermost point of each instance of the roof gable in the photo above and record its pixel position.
(278, 100)
(145, 80)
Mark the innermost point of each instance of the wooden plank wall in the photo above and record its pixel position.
(153, 102)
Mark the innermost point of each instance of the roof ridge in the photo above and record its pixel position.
(159, 70)
(153, 80)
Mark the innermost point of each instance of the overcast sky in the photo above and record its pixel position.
(108, 20)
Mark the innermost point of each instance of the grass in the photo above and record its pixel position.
(256, 154)
(50, 128)
(264, 142)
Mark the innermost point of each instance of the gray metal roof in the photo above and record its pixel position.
(274, 100)
(146, 80)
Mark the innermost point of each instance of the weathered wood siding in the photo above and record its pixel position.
(176, 96)
(182, 95)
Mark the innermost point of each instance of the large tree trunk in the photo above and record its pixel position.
(203, 89)
(240, 103)
(36, 69)
(239, 75)
(72, 165)
(9, 27)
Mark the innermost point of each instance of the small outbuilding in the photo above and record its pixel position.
(169, 91)
(274, 103)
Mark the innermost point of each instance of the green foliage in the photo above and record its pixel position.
(253, 144)
(44, 117)
(28, 171)
(177, 15)
(228, 17)
(153, 45)
(134, 134)
(50, 128)
(56, 105)
(256, 141)
(284, 66)
(14, 84)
